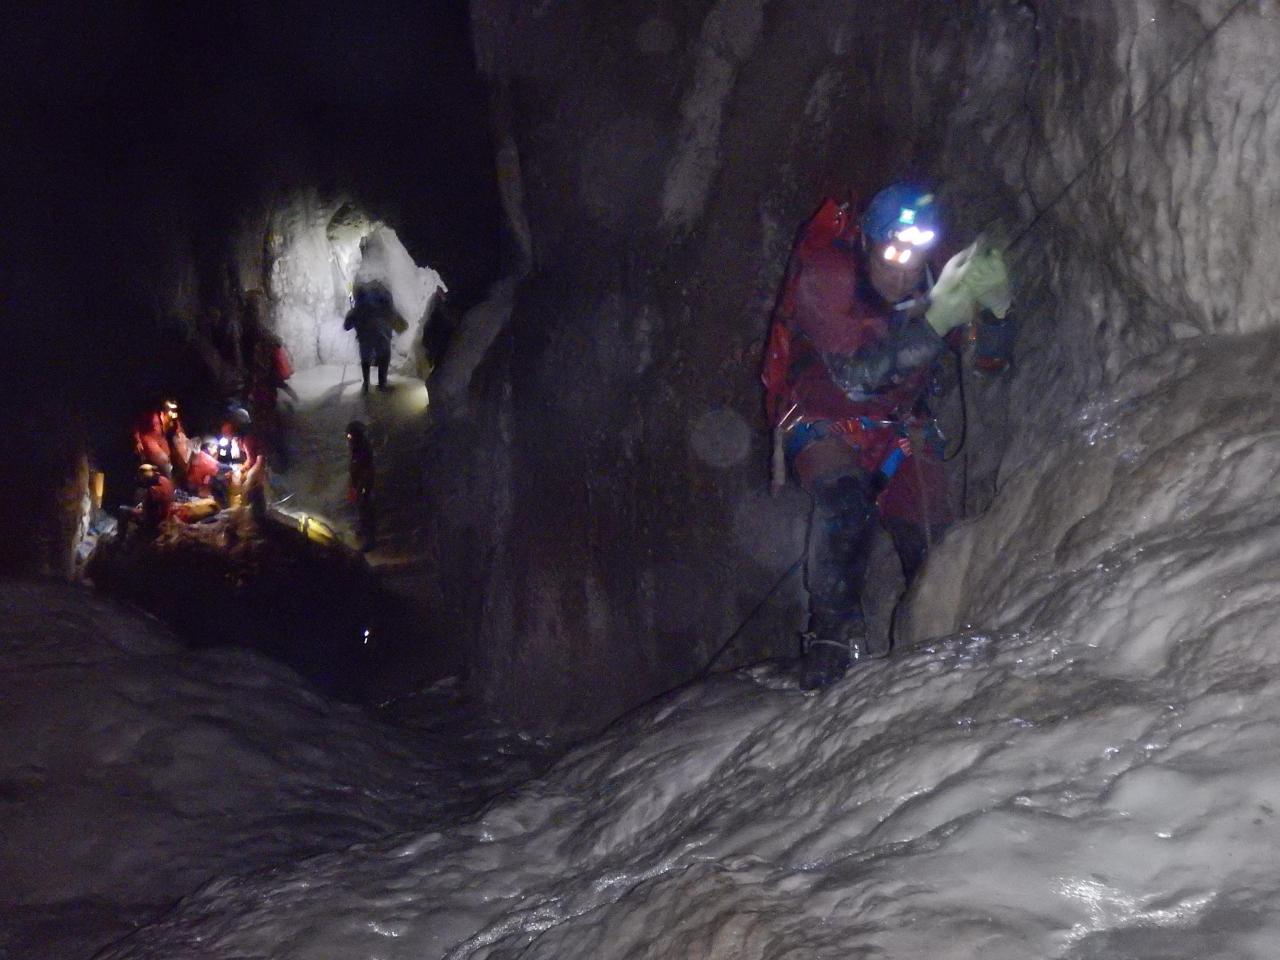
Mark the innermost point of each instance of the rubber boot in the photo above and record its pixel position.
(364, 373)
(829, 648)
(842, 530)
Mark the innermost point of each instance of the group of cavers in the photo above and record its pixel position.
(184, 480)
(854, 354)
(187, 480)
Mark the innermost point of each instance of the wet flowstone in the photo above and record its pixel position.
(1072, 754)
(136, 769)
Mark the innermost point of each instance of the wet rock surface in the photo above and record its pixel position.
(134, 771)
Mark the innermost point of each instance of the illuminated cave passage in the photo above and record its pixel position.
(579, 521)
(320, 253)
(305, 581)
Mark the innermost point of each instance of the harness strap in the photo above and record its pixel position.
(898, 453)
(901, 448)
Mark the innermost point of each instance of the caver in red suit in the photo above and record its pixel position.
(156, 504)
(849, 360)
(158, 439)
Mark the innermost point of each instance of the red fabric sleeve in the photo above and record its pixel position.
(283, 364)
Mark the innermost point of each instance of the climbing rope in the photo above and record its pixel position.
(1110, 142)
(1098, 154)
(752, 615)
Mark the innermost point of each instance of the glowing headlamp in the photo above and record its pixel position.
(229, 449)
(894, 255)
(915, 237)
(909, 233)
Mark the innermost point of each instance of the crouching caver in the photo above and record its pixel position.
(154, 497)
(851, 353)
(159, 439)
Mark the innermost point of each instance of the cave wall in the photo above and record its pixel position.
(1167, 231)
(668, 153)
(599, 488)
(619, 527)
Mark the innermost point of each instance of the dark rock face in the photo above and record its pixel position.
(602, 500)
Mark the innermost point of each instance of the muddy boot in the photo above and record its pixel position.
(823, 662)
(829, 650)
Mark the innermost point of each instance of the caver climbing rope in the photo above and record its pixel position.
(1088, 165)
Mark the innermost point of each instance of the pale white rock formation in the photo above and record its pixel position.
(319, 251)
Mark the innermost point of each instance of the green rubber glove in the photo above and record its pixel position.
(970, 281)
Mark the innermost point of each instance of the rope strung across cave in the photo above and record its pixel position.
(1098, 154)
(1110, 142)
(752, 615)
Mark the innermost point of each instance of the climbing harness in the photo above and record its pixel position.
(897, 453)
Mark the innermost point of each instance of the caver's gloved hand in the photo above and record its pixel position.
(971, 281)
